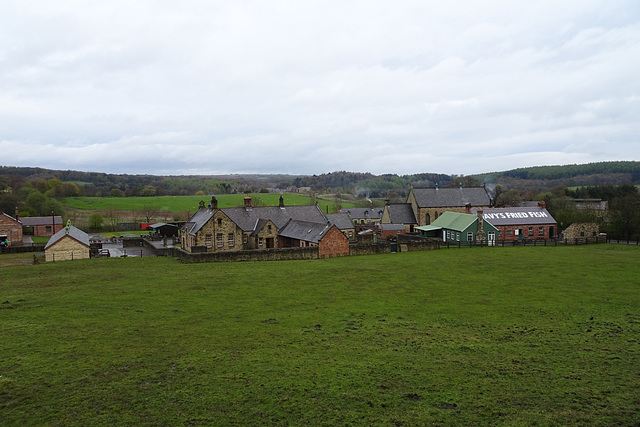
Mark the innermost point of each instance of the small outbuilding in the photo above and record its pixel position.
(331, 242)
(164, 229)
(67, 244)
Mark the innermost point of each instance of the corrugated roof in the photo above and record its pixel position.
(451, 197)
(516, 216)
(452, 221)
(73, 232)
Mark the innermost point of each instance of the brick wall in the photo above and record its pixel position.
(504, 231)
(333, 244)
(12, 229)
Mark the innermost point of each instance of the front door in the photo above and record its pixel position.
(491, 238)
(520, 234)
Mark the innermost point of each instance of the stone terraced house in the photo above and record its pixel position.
(214, 229)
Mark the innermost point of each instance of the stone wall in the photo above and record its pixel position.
(581, 230)
(370, 249)
(66, 249)
(249, 255)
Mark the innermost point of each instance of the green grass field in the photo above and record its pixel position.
(482, 336)
(190, 203)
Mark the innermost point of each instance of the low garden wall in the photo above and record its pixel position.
(250, 255)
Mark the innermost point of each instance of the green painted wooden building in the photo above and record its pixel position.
(455, 227)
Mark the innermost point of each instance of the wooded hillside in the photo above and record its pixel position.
(364, 184)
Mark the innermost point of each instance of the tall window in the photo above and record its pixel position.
(540, 231)
(470, 236)
(207, 240)
(231, 240)
(530, 231)
(219, 240)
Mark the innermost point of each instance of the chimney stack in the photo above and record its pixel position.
(247, 202)
(214, 202)
(281, 201)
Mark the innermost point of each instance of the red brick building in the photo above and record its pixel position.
(331, 242)
(10, 231)
(523, 223)
(45, 226)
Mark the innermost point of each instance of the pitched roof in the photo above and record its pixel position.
(198, 220)
(450, 197)
(259, 226)
(307, 231)
(249, 218)
(516, 216)
(451, 221)
(363, 213)
(12, 218)
(401, 213)
(392, 227)
(32, 221)
(340, 220)
(73, 232)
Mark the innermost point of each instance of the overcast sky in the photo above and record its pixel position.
(309, 87)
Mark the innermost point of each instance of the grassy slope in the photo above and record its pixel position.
(470, 336)
(188, 203)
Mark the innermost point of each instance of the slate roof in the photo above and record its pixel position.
(307, 231)
(12, 218)
(392, 227)
(32, 221)
(401, 213)
(198, 220)
(340, 220)
(451, 197)
(259, 226)
(363, 213)
(249, 218)
(516, 216)
(73, 232)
